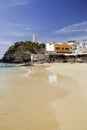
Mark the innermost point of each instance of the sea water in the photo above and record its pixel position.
(6, 72)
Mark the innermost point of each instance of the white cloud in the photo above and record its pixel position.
(6, 4)
(16, 30)
(4, 42)
(82, 38)
(68, 38)
(78, 27)
(22, 26)
(27, 29)
(13, 3)
(15, 24)
(17, 34)
(4, 45)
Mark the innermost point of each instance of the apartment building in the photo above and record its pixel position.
(62, 48)
(58, 48)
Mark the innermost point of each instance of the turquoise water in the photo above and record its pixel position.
(6, 73)
(7, 65)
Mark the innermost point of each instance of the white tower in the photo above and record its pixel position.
(34, 38)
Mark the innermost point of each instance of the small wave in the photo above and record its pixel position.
(23, 68)
(25, 75)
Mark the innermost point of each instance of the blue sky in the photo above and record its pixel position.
(51, 20)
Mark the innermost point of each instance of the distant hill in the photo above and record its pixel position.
(21, 51)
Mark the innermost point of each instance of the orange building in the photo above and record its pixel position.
(62, 48)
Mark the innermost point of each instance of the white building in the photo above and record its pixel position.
(50, 47)
(78, 46)
(82, 47)
(73, 46)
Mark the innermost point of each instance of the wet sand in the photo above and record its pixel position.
(45, 97)
(25, 103)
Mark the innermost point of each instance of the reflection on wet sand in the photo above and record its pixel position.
(26, 104)
(52, 78)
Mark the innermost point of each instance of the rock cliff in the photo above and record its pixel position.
(21, 52)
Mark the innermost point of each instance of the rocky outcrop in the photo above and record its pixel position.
(17, 53)
(21, 52)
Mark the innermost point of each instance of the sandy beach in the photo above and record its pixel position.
(71, 111)
(45, 97)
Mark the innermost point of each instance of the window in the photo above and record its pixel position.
(57, 48)
(66, 48)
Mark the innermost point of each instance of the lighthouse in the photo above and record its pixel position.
(34, 38)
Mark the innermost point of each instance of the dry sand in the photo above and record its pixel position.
(46, 97)
(71, 112)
